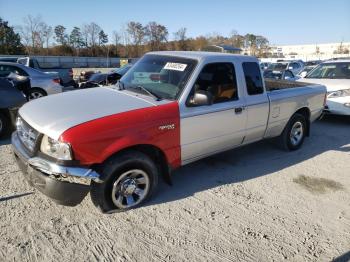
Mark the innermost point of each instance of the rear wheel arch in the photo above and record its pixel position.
(305, 111)
(294, 132)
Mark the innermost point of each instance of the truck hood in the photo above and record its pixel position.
(54, 114)
(331, 84)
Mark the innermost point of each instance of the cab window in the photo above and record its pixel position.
(253, 78)
(218, 79)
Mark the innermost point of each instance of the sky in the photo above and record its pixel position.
(282, 22)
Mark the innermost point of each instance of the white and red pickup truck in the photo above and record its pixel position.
(170, 109)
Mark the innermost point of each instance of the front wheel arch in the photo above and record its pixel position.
(155, 153)
(101, 192)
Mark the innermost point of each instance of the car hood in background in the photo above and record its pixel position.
(331, 84)
(52, 115)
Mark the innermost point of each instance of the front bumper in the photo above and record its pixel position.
(52, 179)
(338, 105)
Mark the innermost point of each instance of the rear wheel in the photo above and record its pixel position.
(294, 133)
(129, 180)
(35, 93)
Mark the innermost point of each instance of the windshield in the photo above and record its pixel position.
(164, 76)
(331, 71)
(277, 66)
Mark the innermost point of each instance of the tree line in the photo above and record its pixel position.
(35, 37)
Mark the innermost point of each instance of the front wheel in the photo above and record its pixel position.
(294, 133)
(129, 180)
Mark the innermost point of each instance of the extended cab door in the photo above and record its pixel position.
(207, 129)
(257, 102)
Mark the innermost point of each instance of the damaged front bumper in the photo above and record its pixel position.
(66, 185)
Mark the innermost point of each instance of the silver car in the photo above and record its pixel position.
(42, 84)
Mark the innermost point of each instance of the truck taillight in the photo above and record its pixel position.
(56, 80)
(325, 100)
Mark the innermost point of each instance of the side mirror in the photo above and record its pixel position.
(201, 98)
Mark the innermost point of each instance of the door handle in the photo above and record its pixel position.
(238, 110)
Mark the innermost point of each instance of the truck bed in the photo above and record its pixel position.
(272, 85)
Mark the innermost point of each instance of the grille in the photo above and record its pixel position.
(28, 135)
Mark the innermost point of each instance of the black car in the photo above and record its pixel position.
(11, 99)
(105, 79)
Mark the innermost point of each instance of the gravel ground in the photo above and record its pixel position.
(256, 203)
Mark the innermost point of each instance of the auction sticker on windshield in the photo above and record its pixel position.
(175, 66)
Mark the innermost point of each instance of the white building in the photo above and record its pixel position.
(312, 51)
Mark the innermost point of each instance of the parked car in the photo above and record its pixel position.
(280, 75)
(168, 110)
(85, 75)
(105, 79)
(65, 74)
(42, 84)
(306, 70)
(335, 75)
(294, 66)
(264, 65)
(10, 100)
(122, 70)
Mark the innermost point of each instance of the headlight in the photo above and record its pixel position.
(55, 148)
(339, 93)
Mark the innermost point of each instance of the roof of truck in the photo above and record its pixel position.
(199, 55)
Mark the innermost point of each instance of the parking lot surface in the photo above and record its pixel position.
(256, 203)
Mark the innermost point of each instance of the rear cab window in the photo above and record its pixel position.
(253, 79)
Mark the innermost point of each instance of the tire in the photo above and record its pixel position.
(129, 179)
(35, 93)
(294, 133)
(5, 124)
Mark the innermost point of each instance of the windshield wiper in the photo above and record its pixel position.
(152, 94)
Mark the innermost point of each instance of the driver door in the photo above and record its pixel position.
(209, 129)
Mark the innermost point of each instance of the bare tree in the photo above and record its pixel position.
(262, 45)
(90, 33)
(215, 38)
(236, 39)
(137, 35)
(125, 38)
(116, 37)
(180, 37)
(31, 32)
(47, 33)
(156, 34)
